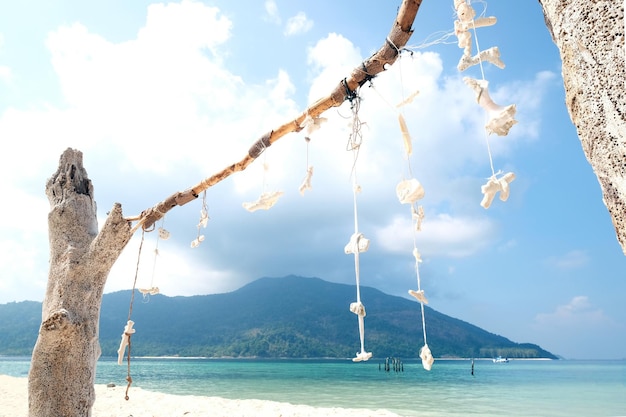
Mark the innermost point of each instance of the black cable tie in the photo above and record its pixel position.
(351, 95)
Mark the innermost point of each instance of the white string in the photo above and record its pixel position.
(265, 169)
(482, 72)
(147, 291)
(307, 140)
(480, 61)
(419, 281)
(396, 110)
(356, 256)
(354, 145)
(416, 221)
(426, 43)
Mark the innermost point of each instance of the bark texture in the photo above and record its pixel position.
(590, 37)
(61, 376)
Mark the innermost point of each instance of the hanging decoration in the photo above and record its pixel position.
(358, 243)
(496, 185)
(128, 328)
(500, 119)
(409, 192)
(202, 224)
(264, 202)
(267, 199)
(311, 125)
(466, 22)
(152, 289)
(128, 331)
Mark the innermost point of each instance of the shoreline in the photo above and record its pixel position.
(110, 402)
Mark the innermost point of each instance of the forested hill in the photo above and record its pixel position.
(291, 317)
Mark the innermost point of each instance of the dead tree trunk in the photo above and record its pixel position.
(590, 38)
(61, 376)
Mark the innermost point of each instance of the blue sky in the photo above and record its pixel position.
(158, 96)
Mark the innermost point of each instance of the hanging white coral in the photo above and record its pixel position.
(462, 26)
(265, 201)
(358, 243)
(306, 183)
(358, 308)
(163, 234)
(406, 136)
(417, 214)
(427, 357)
(312, 124)
(409, 191)
(419, 295)
(196, 242)
(149, 291)
(501, 118)
(128, 331)
(496, 185)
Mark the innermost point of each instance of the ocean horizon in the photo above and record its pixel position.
(452, 388)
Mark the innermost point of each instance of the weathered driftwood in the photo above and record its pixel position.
(590, 38)
(61, 376)
(399, 35)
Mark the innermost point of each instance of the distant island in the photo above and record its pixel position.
(270, 318)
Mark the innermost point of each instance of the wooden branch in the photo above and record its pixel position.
(346, 89)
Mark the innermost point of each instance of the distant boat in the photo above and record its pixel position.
(500, 359)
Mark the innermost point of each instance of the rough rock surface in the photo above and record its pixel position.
(590, 38)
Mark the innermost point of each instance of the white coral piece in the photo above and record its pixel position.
(358, 243)
(419, 294)
(496, 185)
(501, 118)
(358, 308)
(406, 136)
(128, 331)
(163, 234)
(306, 183)
(427, 357)
(265, 201)
(409, 191)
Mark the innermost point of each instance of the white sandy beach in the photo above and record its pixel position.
(110, 402)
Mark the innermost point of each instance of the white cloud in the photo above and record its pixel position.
(574, 329)
(298, 24)
(442, 236)
(333, 52)
(5, 73)
(157, 87)
(175, 270)
(572, 260)
(575, 313)
(271, 10)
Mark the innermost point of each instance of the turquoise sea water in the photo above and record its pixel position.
(517, 388)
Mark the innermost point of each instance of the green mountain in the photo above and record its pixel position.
(291, 317)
